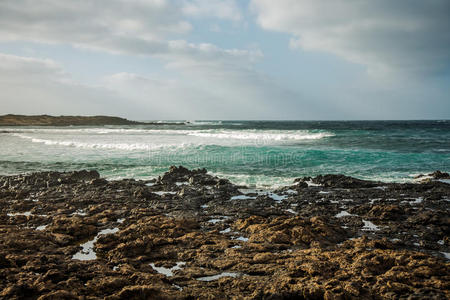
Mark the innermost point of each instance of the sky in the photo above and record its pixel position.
(226, 59)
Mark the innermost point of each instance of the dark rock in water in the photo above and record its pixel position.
(176, 174)
(191, 235)
(440, 175)
(435, 175)
(301, 182)
(342, 181)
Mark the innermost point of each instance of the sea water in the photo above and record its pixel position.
(255, 153)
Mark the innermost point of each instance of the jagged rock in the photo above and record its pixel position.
(342, 181)
(440, 175)
(291, 243)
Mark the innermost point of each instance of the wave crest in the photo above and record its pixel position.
(266, 135)
(109, 146)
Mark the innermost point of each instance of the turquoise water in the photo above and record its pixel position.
(259, 153)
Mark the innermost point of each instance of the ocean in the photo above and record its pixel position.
(254, 153)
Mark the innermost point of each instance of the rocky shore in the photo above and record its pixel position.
(46, 120)
(190, 235)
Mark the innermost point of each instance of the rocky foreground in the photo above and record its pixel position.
(189, 235)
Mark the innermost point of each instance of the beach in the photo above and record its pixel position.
(187, 234)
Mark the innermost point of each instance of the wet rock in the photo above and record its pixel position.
(435, 175)
(440, 175)
(387, 212)
(84, 175)
(305, 241)
(57, 295)
(139, 292)
(342, 181)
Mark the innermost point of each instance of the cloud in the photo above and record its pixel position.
(87, 21)
(135, 27)
(206, 91)
(404, 36)
(39, 86)
(209, 93)
(222, 9)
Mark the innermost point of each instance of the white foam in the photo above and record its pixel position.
(371, 201)
(277, 197)
(440, 242)
(200, 122)
(101, 130)
(218, 276)
(242, 197)
(310, 183)
(253, 191)
(446, 255)
(42, 227)
(79, 212)
(27, 213)
(226, 230)
(164, 193)
(369, 226)
(261, 135)
(343, 214)
(168, 271)
(88, 253)
(417, 200)
(121, 220)
(108, 146)
(292, 211)
(257, 181)
(241, 238)
(381, 187)
(214, 221)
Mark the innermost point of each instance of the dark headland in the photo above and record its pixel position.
(46, 120)
(190, 235)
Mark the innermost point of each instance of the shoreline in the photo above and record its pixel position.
(188, 233)
(67, 121)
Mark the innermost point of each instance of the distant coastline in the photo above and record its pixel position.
(47, 120)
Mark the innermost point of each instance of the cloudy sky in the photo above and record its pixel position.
(226, 59)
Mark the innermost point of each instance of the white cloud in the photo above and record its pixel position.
(202, 91)
(387, 36)
(86, 21)
(135, 27)
(222, 9)
(210, 75)
(39, 86)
